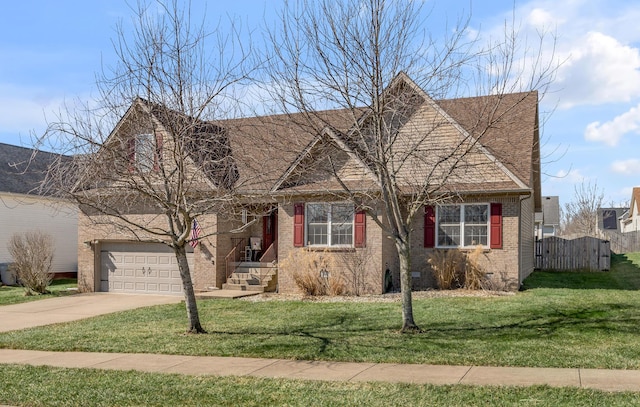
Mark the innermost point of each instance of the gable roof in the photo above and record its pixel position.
(22, 170)
(512, 136)
(206, 144)
(501, 130)
(266, 148)
(265, 152)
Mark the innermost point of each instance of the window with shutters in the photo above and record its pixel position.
(464, 225)
(329, 224)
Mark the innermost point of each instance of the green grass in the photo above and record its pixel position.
(540, 327)
(589, 320)
(15, 295)
(543, 326)
(624, 275)
(44, 386)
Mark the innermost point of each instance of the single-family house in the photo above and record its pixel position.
(23, 208)
(630, 220)
(609, 220)
(292, 173)
(548, 221)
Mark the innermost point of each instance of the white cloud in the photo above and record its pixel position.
(626, 167)
(596, 42)
(612, 131)
(571, 176)
(598, 69)
(542, 19)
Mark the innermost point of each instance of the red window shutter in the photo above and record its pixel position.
(131, 153)
(496, 226)
(158, 157)
(429, 226)
(298, 225)
(360, 224)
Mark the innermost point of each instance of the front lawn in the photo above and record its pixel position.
(45, 386)
(624, 275)
(15, 295)
(596, 327)
(539, 327)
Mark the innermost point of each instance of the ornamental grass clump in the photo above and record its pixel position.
(474, 275)
(453, 268)
(447, 267)
(32, 254)
(314, 272)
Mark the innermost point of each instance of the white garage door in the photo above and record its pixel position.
(146, 268)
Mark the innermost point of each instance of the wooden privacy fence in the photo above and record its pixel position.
(624, 242)
(585, 253)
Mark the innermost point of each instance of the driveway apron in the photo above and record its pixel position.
(74, 307)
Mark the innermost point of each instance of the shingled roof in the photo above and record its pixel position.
(505, 126)
(263, 151)
(22, 170)
(264, 147)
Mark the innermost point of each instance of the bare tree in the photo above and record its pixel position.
(580, 216)
(352, 55)
(144, 159)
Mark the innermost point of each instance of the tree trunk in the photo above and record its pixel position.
(189, 294)
(404, 252)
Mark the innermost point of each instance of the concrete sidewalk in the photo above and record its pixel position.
(80, 306)
(74, 307)
(608, 380)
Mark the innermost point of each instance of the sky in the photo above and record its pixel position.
(51, 51)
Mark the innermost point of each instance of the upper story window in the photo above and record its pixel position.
(464, 225)
(329, 224)
(143, 152)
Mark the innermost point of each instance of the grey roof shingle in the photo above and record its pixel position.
(22, 169)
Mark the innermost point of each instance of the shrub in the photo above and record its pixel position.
(448, 268)
(453, 268)
(356, 271)
(32, 254)
(314, 272)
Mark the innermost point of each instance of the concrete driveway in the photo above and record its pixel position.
(74, 307)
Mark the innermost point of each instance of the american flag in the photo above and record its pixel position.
(195, 233)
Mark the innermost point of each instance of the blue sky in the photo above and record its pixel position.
(50, 52)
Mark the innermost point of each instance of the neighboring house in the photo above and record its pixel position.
(630, 220)
(548, 221)
(23, 209)
(609, 220)
(295, 203)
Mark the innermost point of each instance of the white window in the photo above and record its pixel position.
(145, 152)
(329, 224)
(463, 225)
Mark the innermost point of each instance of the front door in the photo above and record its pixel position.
(269, 229)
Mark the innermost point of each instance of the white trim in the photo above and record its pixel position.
(329, 223)
(462, 225)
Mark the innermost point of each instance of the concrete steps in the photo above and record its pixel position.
(252, 276)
